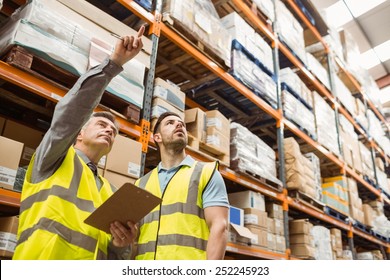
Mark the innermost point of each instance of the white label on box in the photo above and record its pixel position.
(213, 140)
(7, 175)
(27, 153)
(160, 92)
(133, 169)
(7, 241)
(203, 22)
(278, 239)
(269, 237)
(102, 161)
(214, 122)
(251, 219)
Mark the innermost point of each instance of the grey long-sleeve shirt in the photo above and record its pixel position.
(70, 114)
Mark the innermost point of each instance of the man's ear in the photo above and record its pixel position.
(157, 137)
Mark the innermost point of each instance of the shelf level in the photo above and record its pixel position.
(255, 252)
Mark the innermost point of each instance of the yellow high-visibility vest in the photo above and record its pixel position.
(52, 214)
(176, 229)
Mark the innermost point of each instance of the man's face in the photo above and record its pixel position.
(172, 133)
(99, 133)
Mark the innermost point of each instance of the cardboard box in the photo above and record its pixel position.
(160, 106)
(170, 93)
(302, 238)
(31, 138)
(369, 214)
(239, 234)
(300, 226)
(117, 179)
(271, 241)
(279, 226)
(270, 225)
(256, 217)
(280, 243)
(236, 215)
(10, 153)
(302, 250)
(261, 236)
(196, 123)
(274, 210)
(218, 121)
(8, 231)
(216, 142)
(247, 199)
(125, 157)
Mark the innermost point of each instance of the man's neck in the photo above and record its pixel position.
(169, 159)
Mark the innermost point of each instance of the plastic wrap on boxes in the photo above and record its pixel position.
(249, 153)
(248, 70)
(201, 20)
(305, 118)
(315, 161)
(377, 132)
(317, 69)
(290, 30)
(367, 164)
(322, 243)
(267, 7)
(345, 96)
(326, 124)
(292, 80)
(382, 180)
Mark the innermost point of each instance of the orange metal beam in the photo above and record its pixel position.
(383, 82)
(50, 92)
(10, 198)
(370, 237)
(250, 183)
(139, 11)
(254, 19)
(316, 214)
(313, 29)
(192, 104)
(183, 44)
(255, 252)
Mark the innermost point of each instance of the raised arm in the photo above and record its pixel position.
(74, 109)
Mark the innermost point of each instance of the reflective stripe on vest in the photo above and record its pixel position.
(45, 219)
(189, 207)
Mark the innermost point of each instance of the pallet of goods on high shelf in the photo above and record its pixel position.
(361, 117)
(335, 196)
(62, 43)
(250, 71)
(377, 132)
(301, 173)
(350, 144)
(264, 9)
(290, 31)
(250, 155)
(253, 43)
(383, 182)
(318, 69)
(377, 219)
(367, 164)
(325, 124)
(355, 202)
(199, 22)
(345, 96)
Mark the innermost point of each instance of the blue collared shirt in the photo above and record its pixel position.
(214, 195)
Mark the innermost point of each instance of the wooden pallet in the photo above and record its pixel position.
(27, 61)
(336, 214)
(306, 200)
(262, 180)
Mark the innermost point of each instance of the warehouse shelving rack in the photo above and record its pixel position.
(142, 133)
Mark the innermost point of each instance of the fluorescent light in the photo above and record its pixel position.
(383, 51)
(338, 14)
(359, 7)
(369, 59)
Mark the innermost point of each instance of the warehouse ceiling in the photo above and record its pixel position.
(368, 21)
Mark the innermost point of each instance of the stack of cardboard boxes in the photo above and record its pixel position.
(301, 240)
(167, 97)
(8, 231)
(300, 172)
(355, 202)
(336, 243)
(275, 235)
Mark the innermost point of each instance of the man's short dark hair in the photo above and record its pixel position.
(160, 119)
